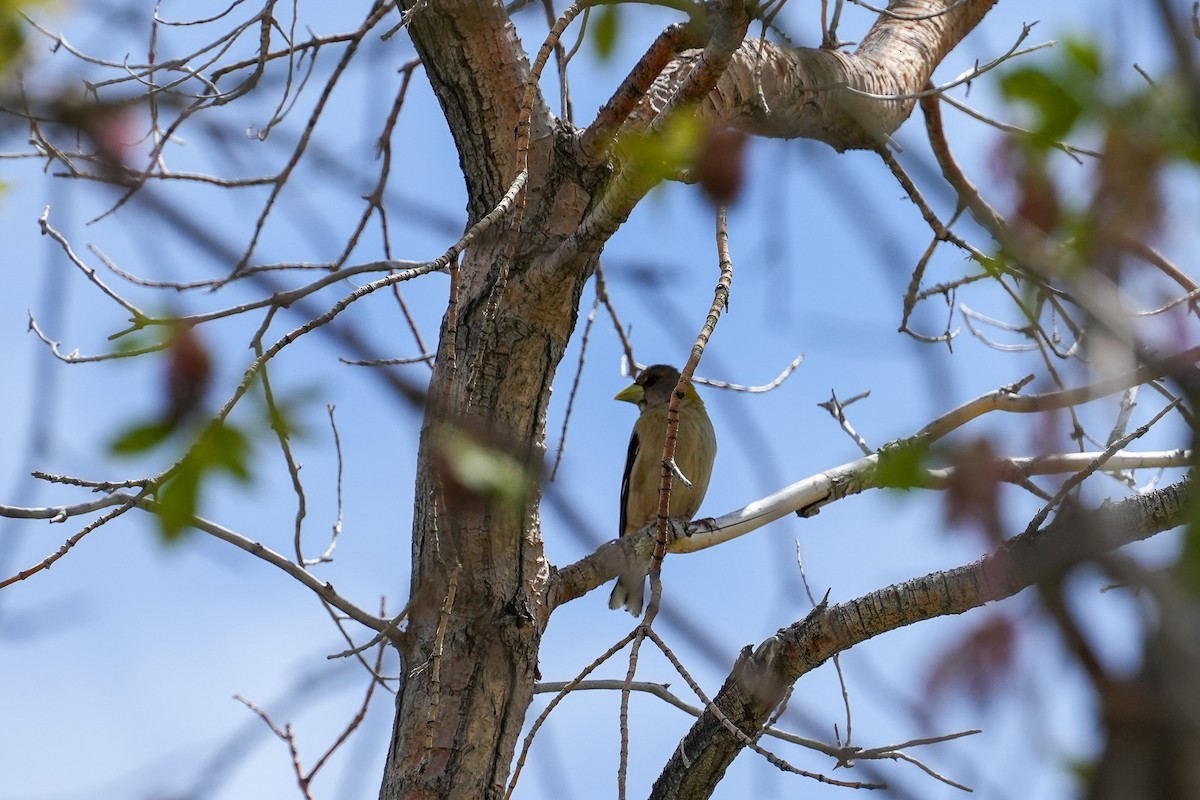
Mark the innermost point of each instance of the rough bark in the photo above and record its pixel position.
(758, 681)
(470, 666)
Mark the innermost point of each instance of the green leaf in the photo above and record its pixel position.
(218, 448)
(224, 447)
(177, 502)
(133, 340)
(140, 437)
(480, 471)
(604, 32)
(1057, 108)
(285, 415)
(233, 452)
(486, 471)
(1084, 54)
(667, 151)
(12, 39)
(1062, 92)
(902, 466)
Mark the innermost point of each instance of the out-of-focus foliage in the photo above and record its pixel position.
(902, 466)
(1189, 559)
(1140, 128)
(476, 468)
(12, 32)
(219, 449)
(665, 152)
(1060, 94)
(1082, 99)
(12, 40)
(605, 29)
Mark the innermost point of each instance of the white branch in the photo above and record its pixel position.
(806, 497)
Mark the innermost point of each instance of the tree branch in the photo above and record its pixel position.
(807, 496)
(476, 66)
(759, 678)
(778, 91)
(122, 499)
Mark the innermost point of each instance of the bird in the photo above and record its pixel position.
(695, 452)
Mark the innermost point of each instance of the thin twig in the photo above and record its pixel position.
(562, 693)
(1096, 463)
(583, 343)
(435, 674)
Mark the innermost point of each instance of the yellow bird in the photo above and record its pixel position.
(695, 451)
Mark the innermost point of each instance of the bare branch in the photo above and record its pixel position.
(558, 698)
(761, 389)
(124, 504)
(126, 501)
(90, 272)
(806, 497)
(1013, 52)
(760, 676)
(837, 410)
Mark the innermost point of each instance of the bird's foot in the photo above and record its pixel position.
(709, 524)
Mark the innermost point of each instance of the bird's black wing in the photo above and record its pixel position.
(629, 459)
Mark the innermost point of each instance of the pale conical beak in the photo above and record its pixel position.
(633, 393)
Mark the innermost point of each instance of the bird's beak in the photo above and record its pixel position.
(633, 393)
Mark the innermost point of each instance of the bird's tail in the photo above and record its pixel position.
(628, 593)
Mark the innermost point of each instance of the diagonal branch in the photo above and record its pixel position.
(124, 501)
(846, 100)
(690, 88)
(759, 679)
(779, 91)
(477, 67)
(807, 496)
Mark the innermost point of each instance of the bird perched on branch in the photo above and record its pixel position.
(695, 451)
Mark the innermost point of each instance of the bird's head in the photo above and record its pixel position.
(653, 388)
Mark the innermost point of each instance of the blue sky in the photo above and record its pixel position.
(126, 654)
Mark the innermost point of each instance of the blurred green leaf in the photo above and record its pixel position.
(604, 31)
(902, 466)
(286, 414)
(1061, 92)
(668, 151)
(1084, 55)
(177, 501)
(13, 28)
(219, 448)
(140, 437)
(1189, 558)
(12, 35)
(485, 470)
(1057, 110)
(131, 341)
(229, 449)
(1081, 769)
(1162, 112)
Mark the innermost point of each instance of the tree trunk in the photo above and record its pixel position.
(470, 663)
(478, 605)
(469, 666)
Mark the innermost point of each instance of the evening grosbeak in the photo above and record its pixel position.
(695, 450)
